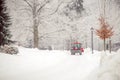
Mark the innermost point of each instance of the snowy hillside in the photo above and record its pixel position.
(33, 64)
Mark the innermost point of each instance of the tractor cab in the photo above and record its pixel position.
(76, 47)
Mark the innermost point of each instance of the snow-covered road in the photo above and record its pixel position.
(32, 64)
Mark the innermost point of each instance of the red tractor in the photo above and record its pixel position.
(76, 48)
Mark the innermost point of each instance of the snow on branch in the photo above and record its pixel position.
(28, 3)
(59, 6)
(49, 33)
(56, 8)
(45, 2)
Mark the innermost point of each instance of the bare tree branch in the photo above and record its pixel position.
(29, 30)
(28, 4)
(42, 6)
(56, 8)
(59, 6)
(26, 9)
(49, 33)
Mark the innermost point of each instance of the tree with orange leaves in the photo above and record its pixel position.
(105, 30)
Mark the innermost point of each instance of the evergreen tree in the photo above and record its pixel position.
(4, 24)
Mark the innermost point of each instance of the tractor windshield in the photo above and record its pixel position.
(76, 46)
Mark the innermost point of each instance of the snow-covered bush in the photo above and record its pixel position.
(9, 49)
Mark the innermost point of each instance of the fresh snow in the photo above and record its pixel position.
(34, 64)
(109, 69)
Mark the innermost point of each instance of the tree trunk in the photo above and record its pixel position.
(104, 44)
(35, 25)
(35, 34)
(110, 45)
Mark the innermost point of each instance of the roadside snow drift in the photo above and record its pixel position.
(33, 64)
(109, 70)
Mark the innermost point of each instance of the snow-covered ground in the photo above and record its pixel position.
(33, 64)
(109, 70)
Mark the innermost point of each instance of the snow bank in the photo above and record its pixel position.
(34, 64)
(109, 70)
(118, 51)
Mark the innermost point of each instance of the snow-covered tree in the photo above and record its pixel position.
(36, 8)
(74, 9)
(4, 24)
